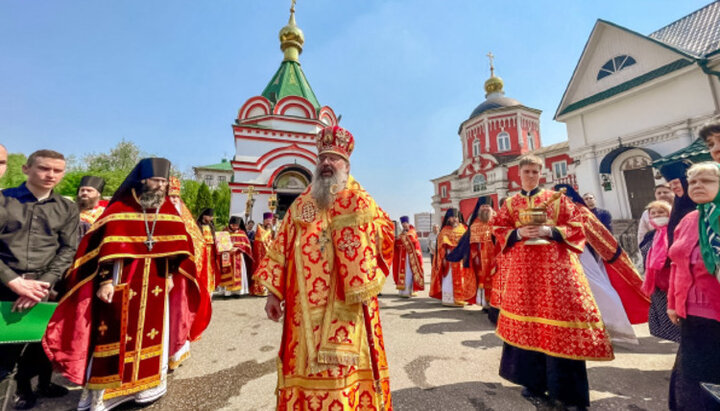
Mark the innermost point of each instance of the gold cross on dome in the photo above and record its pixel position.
(153, 333)
(102, 328)
(492, 58)
(157, 290)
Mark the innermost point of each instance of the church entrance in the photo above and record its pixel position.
(639, 183)
(289, 184)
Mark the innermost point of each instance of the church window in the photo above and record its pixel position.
(443, 191)
(476, 147)
(560, 169)
(531, 141)
(479, 183)
(208, 179)
(503, 141)
(221, 179)
(614, 65)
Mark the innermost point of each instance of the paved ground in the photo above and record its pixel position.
(440, 358)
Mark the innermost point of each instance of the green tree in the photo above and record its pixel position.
(188, 193)
(221, 197)
(123, 157)
(204, 200)
(14, 176)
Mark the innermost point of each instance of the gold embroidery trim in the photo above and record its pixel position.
(556, 323)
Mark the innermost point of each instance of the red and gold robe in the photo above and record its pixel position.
(328, 266)
(124, 338)
(622, 272)
(545, 303)
(482, 254)
(407, 250)
(261, 244)
(232, 262)
(464, 281)
(210, 266)
(89, 216)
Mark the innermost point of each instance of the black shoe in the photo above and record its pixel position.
(536, 399)
(24, 401)
(52, 391)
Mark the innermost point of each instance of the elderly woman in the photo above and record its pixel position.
(694, 293)
(657, 274)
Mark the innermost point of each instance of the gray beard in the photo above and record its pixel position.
(151, 198)
(484, 216)
(324, 189)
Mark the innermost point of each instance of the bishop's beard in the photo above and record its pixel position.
(484, 215)
(151, 198)
(324, 189)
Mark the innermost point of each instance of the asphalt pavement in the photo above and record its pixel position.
(440, 358)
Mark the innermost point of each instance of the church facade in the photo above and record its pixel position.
(635, 98)
(274, 136)
(493, 138)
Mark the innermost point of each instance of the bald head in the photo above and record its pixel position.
(3, 160)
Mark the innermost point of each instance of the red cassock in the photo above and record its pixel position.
(124, 338)
(261, 243)
(545, 301)
(210, 266)
(482, 254)
(463, 278)
(407, 250)
(622, 273)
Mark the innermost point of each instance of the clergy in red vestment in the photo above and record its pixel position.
(408, 261)
(261, 244)
(210, 267)
(89, 201)
(477, 249)
(130, 299)
(327, 264)
(451, 282)
(548, 318)
(236, 263)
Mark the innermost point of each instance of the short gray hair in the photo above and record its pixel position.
(704, 167)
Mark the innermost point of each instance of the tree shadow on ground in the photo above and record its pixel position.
(456, 319)
(630, 388)
(487, 340)
(466, 396)
(648, 345)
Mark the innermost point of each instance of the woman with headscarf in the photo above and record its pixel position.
(612, 277)
(694, 293)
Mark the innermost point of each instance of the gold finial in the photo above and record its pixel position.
(493, 84)
(491, 57)
(291, 37)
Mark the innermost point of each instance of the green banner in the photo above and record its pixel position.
(25, 326)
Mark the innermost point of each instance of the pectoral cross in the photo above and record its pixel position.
(324, 239)
(149, 243)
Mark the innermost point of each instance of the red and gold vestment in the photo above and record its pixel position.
(89, 216)
(482, 253)
(124, 338)
(407, 250)
(210, 265)
(261, 244)
(463, 279)
(232, 262)
(545, 302)
(328, 266)
(622, 272)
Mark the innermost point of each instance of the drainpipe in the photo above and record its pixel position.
(703, 63)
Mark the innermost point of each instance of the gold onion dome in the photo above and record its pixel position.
(493, 85)
(291, 38)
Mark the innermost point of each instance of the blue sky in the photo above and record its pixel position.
(78, 76)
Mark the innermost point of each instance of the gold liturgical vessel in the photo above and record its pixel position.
(537, 216)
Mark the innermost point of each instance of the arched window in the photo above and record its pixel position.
(531, 141)
(614, 65)
(503, 141)
(479, 183)
(476, 147)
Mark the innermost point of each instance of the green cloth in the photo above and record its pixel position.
(709, 226)
(26, 326)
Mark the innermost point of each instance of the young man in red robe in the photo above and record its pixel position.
(451, 282)
(236, 264)
(548, 318)
(407, 261)
(210, 266)
(130, 299)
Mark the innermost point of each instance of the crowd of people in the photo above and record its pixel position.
(134, 277)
